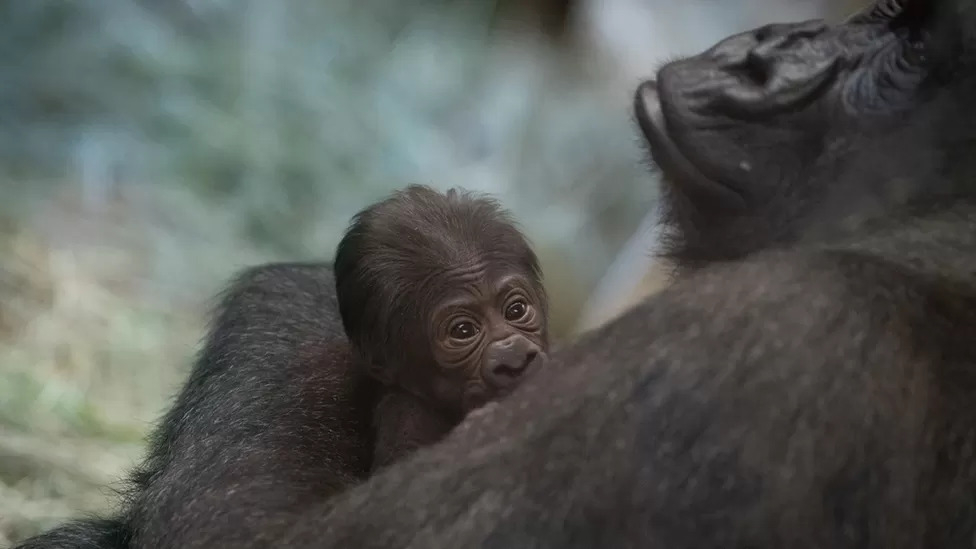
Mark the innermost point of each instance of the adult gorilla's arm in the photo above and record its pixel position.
(270, 420)
(784, 402)
(638, 436)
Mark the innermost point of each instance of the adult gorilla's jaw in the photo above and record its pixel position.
(677, 168)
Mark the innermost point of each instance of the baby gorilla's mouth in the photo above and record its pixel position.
(668, 156)
(478, 393)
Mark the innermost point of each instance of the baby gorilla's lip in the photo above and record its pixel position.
(478, 394)
(531, 368)
(666, 153)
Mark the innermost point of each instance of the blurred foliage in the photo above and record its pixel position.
(293, 114)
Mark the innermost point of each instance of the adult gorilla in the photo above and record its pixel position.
(808, 381)
(810, 378)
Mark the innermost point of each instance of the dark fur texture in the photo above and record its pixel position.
(82, 534)
(271, 420)
(808, 381)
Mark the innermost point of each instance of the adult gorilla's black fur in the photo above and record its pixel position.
(272, 419)
(82, 534)
(808, 381)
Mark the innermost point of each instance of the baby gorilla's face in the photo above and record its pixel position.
(487, 332)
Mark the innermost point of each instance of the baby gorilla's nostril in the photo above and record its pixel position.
(504, 370)
(508, 368)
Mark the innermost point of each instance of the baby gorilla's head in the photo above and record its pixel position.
(442, 296)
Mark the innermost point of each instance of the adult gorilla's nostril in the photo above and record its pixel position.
(757, 68)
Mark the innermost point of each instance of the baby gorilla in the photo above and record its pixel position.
(442, 298)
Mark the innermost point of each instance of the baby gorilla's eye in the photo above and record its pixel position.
(516, 310)
(463, 330)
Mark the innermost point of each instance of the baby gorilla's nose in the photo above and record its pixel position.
(508, 360)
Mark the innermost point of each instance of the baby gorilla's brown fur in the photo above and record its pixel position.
(442, 298)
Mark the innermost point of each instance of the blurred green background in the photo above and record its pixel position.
(149, 149)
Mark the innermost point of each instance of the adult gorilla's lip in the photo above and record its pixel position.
(667, 155)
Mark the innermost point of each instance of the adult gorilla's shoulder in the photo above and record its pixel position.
(275, 415)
